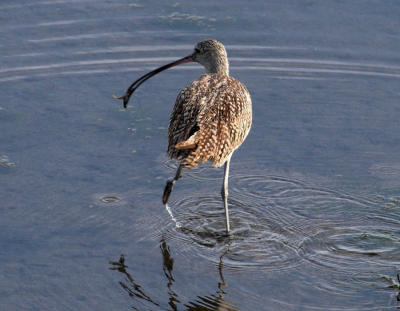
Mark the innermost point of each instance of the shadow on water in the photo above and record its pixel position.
(213, 302)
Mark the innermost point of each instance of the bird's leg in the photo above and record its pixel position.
(224, 193)
(170, 184)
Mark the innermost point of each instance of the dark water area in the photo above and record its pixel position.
(314, 190)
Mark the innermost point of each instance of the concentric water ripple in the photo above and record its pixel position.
(278, 223)
(353, 249)
(257, 239)
(298, 199)
(93, 57)
(109, 199)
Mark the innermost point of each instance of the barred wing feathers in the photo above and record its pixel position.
(211, 118)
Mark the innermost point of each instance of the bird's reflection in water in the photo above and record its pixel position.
(168, 267)
(129, 285)
(212, 302)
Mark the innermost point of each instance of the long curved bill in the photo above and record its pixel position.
(147, 76)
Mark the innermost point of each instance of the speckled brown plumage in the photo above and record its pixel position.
(211, 118)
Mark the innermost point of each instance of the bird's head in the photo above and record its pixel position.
(212, 55)
(209, 53)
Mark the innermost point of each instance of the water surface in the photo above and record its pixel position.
(314, 190)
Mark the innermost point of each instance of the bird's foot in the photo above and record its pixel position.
(167, 190)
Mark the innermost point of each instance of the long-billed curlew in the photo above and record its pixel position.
(211, 117)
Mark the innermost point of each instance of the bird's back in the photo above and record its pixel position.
(211, 118)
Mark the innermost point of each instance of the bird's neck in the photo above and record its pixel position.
(218, 65)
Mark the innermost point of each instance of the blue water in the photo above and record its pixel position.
(314, 190)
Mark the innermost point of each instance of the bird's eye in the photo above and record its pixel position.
(197, 50)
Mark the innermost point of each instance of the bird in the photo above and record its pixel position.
(211, 118)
